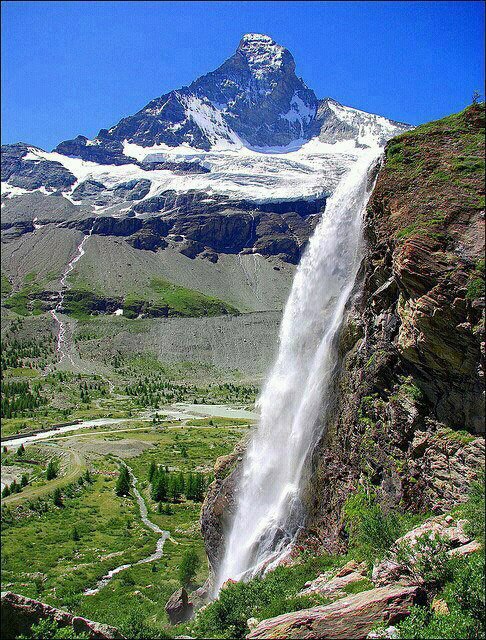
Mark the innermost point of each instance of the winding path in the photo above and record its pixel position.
(159, 549)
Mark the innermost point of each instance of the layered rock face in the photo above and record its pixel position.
(408, 415)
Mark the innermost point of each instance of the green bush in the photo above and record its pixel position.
(474, 509)
(467, 588)
(48, 630)
(426, 559)
(424, 625)
(464, 595)
(371, 530)
(262, 598)
(189, 565)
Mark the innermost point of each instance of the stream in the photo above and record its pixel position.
(61, 336)
(179, 411)
(159, 549)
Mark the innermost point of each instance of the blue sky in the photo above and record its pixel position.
(72, 68)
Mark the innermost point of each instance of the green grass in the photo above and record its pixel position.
(41, 559)
(358, 586)
(6, 286)
(182, 301)
(423, 224)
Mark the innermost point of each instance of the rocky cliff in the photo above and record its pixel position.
(407, 418)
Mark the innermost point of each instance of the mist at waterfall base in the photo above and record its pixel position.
(269, 511)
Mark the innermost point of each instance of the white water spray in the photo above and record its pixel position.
(269, 511)
(61, 335)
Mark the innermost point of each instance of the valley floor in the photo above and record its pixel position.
(55, 552)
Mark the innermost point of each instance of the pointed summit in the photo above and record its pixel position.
(253, 99)
(264, 55)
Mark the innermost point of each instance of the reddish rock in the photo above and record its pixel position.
(351, 618)
(332, 585)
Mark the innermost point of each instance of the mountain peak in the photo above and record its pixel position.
(263, 55)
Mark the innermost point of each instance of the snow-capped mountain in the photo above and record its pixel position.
(247, 137)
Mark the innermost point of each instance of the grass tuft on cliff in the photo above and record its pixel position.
(442, 163)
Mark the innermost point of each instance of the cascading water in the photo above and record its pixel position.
(269, 511)
(61, 335)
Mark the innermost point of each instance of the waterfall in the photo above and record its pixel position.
(269, 511)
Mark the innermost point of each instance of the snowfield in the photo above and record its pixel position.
(305, 170)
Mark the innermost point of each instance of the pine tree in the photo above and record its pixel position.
(160, 486)
(51, 471)
(57, 497)
(75, 535)
(190, 486)
(6, 491)
(175, 490)
(152, 471)
(24, 480)
(122, 487)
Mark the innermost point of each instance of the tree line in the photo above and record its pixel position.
(167, 486)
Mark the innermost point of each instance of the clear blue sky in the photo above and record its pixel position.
(72, 68)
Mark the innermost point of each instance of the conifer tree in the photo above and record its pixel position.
(51, 471)
(57, 497)
(152, 470)
(122, 487)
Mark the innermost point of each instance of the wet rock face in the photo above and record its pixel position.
(408, 411)
(219, 503)
(20, 613)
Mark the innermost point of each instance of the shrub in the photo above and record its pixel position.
(57, 497)
(474, 509)
(371, 531)
(135, 627)
(424, 625)
(48, 630)
(427, 559)
(467, 588)
(266, 597)
(464, 595)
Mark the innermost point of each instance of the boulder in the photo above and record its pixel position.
(351, 618)
(20, 613)
(390, 570)
(178, 607)
(330, 585)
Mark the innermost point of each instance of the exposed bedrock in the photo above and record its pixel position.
(230, 230)
(408, 413)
